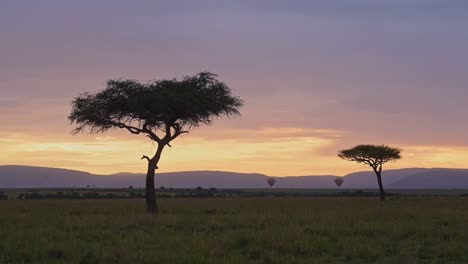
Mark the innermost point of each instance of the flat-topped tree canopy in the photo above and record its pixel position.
(161, 105)
(372, 155)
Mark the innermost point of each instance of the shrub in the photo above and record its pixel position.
(3, 196)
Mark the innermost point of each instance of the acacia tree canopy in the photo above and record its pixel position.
(168, 106)
(372, 155)
(162, 110)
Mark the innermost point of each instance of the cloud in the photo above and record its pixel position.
(264, 134)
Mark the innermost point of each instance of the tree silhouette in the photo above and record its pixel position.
(373, 156)
(162, 110)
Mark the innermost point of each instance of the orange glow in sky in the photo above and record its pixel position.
(280, 152)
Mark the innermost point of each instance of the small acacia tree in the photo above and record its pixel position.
(162, 110)
(373, 156)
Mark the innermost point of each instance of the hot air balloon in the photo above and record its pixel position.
(271, 182)
(339, 181)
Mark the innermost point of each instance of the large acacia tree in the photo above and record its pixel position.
(373, 156)
(162, 110)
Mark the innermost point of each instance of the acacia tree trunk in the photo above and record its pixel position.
(379, 179)
(151, 205)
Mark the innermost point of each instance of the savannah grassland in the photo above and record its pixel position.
(236, 230)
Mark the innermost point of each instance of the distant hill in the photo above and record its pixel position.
(25, 176)
(367, 179)
(414, 178)
(434, 179)
(192, 179)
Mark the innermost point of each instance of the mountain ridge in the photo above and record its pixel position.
(19, 176)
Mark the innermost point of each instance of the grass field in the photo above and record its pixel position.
(237, 230)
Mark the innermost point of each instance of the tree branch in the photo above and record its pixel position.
(178, 134)
(168, 131)
(153, 136)
(150, 133)
(133, 130)
(146, 157)
(171, 135)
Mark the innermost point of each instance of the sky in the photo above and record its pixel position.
(316, 77)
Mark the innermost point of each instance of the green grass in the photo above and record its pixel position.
(239, 230)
